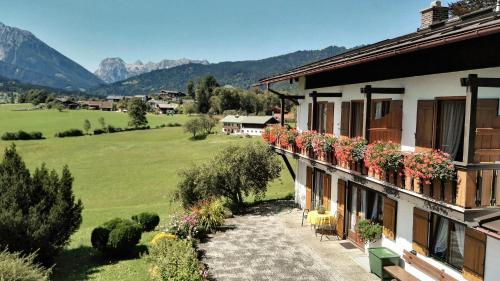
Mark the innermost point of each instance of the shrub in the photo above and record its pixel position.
(193, 126)
(148, 221)
(99, 131)
(70, 133)
(163, 235)
(38, 212)
(210, 215)
(117, 236)
(175, 260)
(22, 135)
(183, 226)
(368, 231)
(15, 267)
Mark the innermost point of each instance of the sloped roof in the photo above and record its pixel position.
(247, 119)
(473, 25)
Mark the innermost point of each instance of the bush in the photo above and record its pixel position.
(148, 221)
(15, 267)
(99, 131)
(368, 231)
(210, 215)
(38, 212)
(70, 133)
(116, 237)
(22, 135)
(175, 260)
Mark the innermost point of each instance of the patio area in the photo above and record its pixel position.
(269, 243)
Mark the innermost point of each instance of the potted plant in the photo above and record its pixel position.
(343, 149)
(287, 139)
(317, 143)
(328, 148)
(358, 153)
(321, 210)
(384, 160)
(304, 143)
(370, 233)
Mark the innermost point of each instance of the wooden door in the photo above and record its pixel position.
(421, 231)
(424, 134)
(390, 216)
(357, 118)
(309, 185)
(474, 254)
(487, 147)
(388, 125)
(327, 192)
(345, 116)
(329, 117)
(341, 204)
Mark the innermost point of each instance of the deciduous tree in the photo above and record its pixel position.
(137, 112)
(86, 126)
(462, 7)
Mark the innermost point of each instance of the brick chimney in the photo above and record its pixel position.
(434, 14)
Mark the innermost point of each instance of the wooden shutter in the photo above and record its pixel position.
(345, 116)
(341, 194)
(309, 116)
(474, 254)
(327, 191)
(421, 231)
(488, 131)
(424, 134)
(389, 127)
(309, 183)
(329, 117)
(389, 222)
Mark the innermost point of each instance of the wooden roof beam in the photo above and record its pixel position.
(325, 95)
(374, 90)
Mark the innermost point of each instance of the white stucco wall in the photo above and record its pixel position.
(416, 88)
(404, 238)
(300, 184)
(492, 261)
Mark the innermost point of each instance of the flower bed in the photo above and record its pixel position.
(382, 160)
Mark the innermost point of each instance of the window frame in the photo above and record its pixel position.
(431, 241)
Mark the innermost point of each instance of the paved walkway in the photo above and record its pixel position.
(270, 244)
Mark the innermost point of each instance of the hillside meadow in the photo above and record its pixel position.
(115, 175)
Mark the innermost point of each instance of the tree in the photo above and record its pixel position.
(462, 7)
(193, 126)
(102, 122)
(207, 124)
(137, 112)
(204, 90)
(86, 126)
(189, 108)
(190, 89)
(235, 172)
(39, 212)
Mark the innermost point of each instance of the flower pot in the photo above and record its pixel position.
(392, 177)
(380, 175)
(409, 183)
(375, 244)
(400, 179)
(437, 191)
(371, 172)
(364, 169)
(310, 153)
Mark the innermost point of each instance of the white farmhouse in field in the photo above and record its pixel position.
(246, 125)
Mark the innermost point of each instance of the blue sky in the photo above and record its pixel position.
(217, 30)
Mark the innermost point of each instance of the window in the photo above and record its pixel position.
(382, 108)
(317, 199)
(447, 240)
(357, 109)
(450, 131)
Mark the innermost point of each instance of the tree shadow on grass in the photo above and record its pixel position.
(199, 137)
(82, 262)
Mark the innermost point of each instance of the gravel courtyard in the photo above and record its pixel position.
(269, 243)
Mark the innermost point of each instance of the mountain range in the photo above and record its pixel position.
(240, 74)
(26, 58)
(115, 69)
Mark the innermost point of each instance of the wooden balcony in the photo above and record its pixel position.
(476, 186)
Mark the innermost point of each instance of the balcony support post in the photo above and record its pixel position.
(314, 113)
(470, 118)
(282, 112)
(367, 90)
(289, 167)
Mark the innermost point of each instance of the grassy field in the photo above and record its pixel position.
(116, 175)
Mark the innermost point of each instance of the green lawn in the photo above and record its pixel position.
(116, 175)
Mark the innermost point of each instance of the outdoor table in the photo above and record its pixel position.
(321, 221)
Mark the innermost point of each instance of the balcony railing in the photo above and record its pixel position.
(475, 186)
